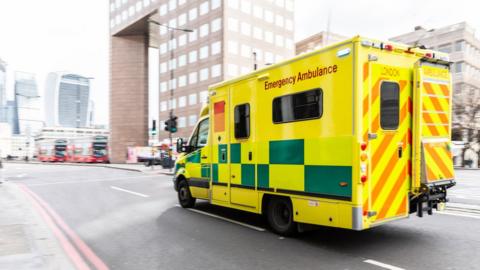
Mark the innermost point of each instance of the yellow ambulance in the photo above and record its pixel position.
(352, 136)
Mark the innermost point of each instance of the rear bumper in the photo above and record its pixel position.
(433, 194)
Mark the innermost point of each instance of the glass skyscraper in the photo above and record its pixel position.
(27, 116)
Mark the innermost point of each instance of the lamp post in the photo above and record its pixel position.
(170, 67)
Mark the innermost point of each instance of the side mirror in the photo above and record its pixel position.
(180, 145)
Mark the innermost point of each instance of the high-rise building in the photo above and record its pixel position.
(67, 100)
(3, 91)
(463, 47)
(229, 37)
(317, 41)
(27, 105)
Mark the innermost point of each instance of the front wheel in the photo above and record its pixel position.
(280, 216)
(184, 196)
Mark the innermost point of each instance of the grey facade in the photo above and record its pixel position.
(27, 104)
(67, 100)
(463, 47)
(3, 91)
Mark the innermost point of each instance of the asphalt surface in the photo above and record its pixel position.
(130, 220)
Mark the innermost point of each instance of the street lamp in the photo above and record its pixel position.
(172, 33)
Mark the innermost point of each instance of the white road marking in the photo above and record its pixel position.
(225, 219)
(383, 265)
(457, 214)
(21, 175)
(129, 191)
(80, 181)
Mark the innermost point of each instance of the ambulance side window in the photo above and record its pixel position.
(242, 121)
(199, 138)
(297, 107)
(389, 105)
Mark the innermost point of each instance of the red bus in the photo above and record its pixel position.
(52, 150)
(90, 150)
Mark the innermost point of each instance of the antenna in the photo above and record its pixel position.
(327, 34)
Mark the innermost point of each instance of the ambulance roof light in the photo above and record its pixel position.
(388, 47)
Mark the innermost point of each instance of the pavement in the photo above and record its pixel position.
(121, 219)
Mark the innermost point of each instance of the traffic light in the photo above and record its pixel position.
(171, 124)
(154, 127)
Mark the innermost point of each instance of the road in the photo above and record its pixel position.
(130, 220)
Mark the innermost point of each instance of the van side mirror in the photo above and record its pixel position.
(181, 146)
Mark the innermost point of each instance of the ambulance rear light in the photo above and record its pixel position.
(363, 146)
(363, 178)
(428, 55)
(388, 47)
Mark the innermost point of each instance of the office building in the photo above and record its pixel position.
(317, 41)
(228, 39)
(27, 118)
(463, 47)
(67, 100)
(3, 91)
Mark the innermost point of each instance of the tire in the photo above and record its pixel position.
(184, 196)
(280, 216)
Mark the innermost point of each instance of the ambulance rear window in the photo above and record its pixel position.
(389, 105)
(297, 107)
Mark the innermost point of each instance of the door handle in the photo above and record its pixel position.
(204, 157)
(250, 156)
(400, 150)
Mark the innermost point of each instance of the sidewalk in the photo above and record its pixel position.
(139, 167)
(26, 242)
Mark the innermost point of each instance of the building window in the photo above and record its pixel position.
(138, 6)
(181, 2)
(279, 40)
(289, 43)
(146, 3)
(246, 6)
(289, 5)
(268, 16)
(459, 45)
(192, 57)
(192, 77)
(163, 87)
(446, 48)
(131, 11)
(172, 4)
(258, 12)
(232, 70)
(233, 4)
(182, 19)
(192, 14)
(204, 74)
(297, 107)
(233, 47)
(246, 29)
(242, 121)
(216, 70)
(192, 120)
(389, 105)
(246, 51)
(233, 24)
(289, 25)
(192, 36)
(182, 101)
(172, 104)
(172, 22)
(204, 8)
(182, 60)
(203, 96)
(163, 67)
(182, 122)
(163, 106)
(172, 64)
(257, 33)
(244, 70)
(458, 67)
(203, 52)
(163, 9)
(215, 4)
(269, 58)
(279, 20)
(216, 25)
(163, 30)
(182, 40)
(182, 80)
(268, 36)
(216, 47)
(204, 30)
(192, 99)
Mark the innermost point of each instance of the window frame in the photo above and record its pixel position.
(398, 106)
(235, 124)
(303, 119)
(196, 134)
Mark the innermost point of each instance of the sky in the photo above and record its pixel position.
(41, 36)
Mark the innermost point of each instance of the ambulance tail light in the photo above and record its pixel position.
(363, 146)
(364, 178)
(428, 55)
(388, 47)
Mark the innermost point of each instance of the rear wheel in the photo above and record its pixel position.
(184, 196)
(280, 216)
